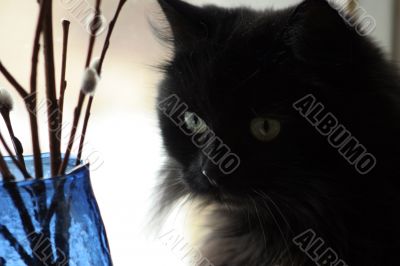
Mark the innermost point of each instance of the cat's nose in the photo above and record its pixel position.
(209, 171)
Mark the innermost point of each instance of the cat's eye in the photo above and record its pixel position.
(195, 123)
(265, 129)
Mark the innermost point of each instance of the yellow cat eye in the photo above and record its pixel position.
(265, 129)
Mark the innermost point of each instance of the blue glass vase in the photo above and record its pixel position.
(53, 221)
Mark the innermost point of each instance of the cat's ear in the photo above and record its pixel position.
(317, 33)
(188, 22)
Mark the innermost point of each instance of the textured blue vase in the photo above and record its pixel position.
(54, 221)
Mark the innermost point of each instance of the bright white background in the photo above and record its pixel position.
(123, 128)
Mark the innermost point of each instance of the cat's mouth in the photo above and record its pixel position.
(212, 189)
(201, 182)
(207, 185)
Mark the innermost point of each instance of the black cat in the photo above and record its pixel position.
(285, 195)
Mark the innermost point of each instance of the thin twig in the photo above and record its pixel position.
(63, 83)
(19, 204)
(19, 150)
(109, 33)
(53, 110)
(22, 92)
(99, 69)
(31, 101)
(39, 191)
(12, 189)
(84, 130)
(75, 122)
(88, 61)
(53, 203)
(28, 260)
(63, 219)
(15, 161)
(93, 33)
(82, 96)
(45, 26)
(7, 175)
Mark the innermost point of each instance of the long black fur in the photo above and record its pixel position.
(231, 65)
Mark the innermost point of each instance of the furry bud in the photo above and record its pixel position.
(95, 64)
(6, 101)
(90, 81)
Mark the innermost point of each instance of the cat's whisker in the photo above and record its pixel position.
(160, 188)
(190, 208)
(181, 206)
(259, 220)
(248, 217)
(265, 196)
(176, 182)
(284, 238)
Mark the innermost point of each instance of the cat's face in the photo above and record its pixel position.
(240, 72)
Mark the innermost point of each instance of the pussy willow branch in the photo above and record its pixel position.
(32, 101)
(21, 91)
(84, 130)
(63, 82)
(82, 96)
(75, 122)
(63, 219)
(16, 245)
(53, 204)
(44, 24)
(99, 69)
(19, 150)
(9, 185)
(53, 111)
(109, 33)
(89, 106)
(21, 167)
(93, 33)
(12, 189)
(7, 175)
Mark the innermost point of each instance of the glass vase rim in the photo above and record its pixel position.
(73, 171)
